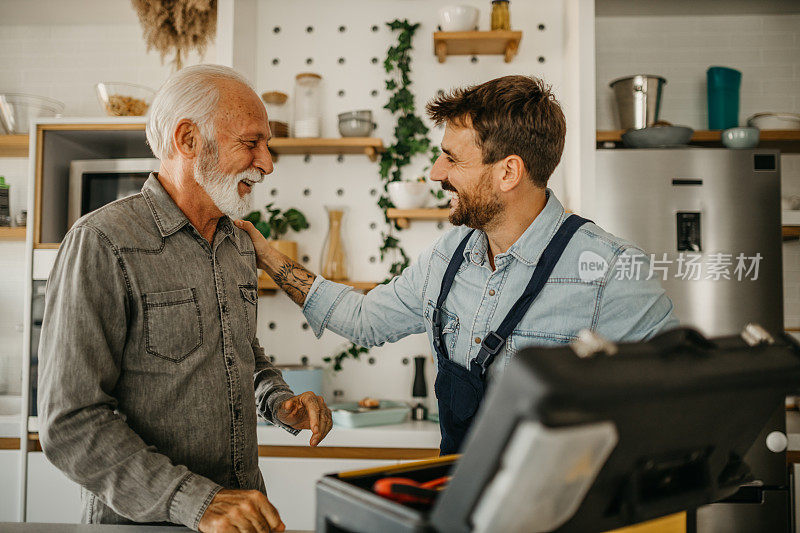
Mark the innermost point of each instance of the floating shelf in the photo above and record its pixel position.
(13, 234)
(266, 284)
(791, 233)
(403, 217)
(471, 43)
(17, 146)
(369, 146)
(787, 141)
(13, 145)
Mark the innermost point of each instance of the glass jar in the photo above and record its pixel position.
(307, 121)
(501, 19)
(334, 261)
(277, 112)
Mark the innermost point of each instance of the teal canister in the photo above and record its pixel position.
(723, 86)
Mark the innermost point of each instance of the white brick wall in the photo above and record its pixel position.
(66, 61)
(766, 49)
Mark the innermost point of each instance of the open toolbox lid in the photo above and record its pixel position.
(595, 442)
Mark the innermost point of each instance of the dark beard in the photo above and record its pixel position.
(476, 209)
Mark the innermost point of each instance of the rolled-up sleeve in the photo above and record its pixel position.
(83, 336)
(271, 389)
(387, 313)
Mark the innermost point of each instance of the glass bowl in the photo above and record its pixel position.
(124, 99)
(18, 109)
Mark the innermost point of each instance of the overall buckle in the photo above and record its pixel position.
(492, 343)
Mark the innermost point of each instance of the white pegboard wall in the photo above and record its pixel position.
(346, 43)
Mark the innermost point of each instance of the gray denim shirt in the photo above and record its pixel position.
(150, 364)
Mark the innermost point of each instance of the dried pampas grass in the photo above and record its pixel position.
(177, 26)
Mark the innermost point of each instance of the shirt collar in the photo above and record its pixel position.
(530, 244)
(168, 216)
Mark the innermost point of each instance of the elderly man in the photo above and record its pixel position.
(509, 276)
(150, 360)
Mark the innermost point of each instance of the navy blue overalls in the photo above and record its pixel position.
(460, 391)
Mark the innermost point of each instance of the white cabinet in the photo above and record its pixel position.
(291, 484)
(51, 496)
(9, 485)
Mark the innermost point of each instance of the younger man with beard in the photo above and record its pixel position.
(152, 376)
(507, 277)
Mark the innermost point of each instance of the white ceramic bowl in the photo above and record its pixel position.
(409, 194)
(775, 121)
(458, 18)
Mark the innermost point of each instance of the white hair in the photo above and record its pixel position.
(191, 93)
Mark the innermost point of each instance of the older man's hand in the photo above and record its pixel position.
(240, 510)
(307, 411)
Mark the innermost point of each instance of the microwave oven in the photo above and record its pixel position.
(94, 183)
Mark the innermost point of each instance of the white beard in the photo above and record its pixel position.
(223, 189)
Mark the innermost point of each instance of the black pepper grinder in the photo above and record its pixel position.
(420, 389)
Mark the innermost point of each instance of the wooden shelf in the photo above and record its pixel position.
(791, 233)
(14, 145)
(265, 284)
(13, 234)
(405, 216)
(369, 146)
(787, 141)
(472, 43)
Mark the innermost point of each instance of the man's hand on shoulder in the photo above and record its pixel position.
(307, 411)
(240, 510)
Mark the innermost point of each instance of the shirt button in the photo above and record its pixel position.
(491, 292)
(224, 308)
(477, 340)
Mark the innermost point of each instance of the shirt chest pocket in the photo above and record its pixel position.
(249, 295)
(450, 327)
(521, 339)
(172, 324)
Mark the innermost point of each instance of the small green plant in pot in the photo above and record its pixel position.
(275, 225)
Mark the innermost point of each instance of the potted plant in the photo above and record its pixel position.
(274, 226)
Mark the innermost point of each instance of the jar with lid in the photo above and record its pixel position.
(501, 19)
(307, 120)
(277, 112)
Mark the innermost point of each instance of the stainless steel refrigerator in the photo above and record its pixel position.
(710, 218)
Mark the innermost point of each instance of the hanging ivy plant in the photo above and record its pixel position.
(410, 140)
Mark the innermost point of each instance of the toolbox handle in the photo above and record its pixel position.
(682, 340)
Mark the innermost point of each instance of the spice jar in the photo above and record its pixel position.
(501, 19)
(277, 112)
(307, 121)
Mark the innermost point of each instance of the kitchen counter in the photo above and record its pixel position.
(410, 434)
(30, 527)
(405, 441)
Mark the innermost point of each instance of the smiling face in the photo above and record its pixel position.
(474, 200)
(237, 157)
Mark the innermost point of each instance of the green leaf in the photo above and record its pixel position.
(263, 228)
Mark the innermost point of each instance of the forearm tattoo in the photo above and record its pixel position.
(295, 280)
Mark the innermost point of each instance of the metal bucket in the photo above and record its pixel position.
(638, 100)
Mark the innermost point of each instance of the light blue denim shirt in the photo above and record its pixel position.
(618, 307)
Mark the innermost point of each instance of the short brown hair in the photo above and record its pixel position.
(511, 115)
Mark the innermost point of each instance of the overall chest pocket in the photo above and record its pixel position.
(172, 324)
(249, 295)
(450, 327)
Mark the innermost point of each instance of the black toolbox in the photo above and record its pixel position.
(617, 435)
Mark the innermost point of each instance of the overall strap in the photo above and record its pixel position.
(495, 340)
(447, 284)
